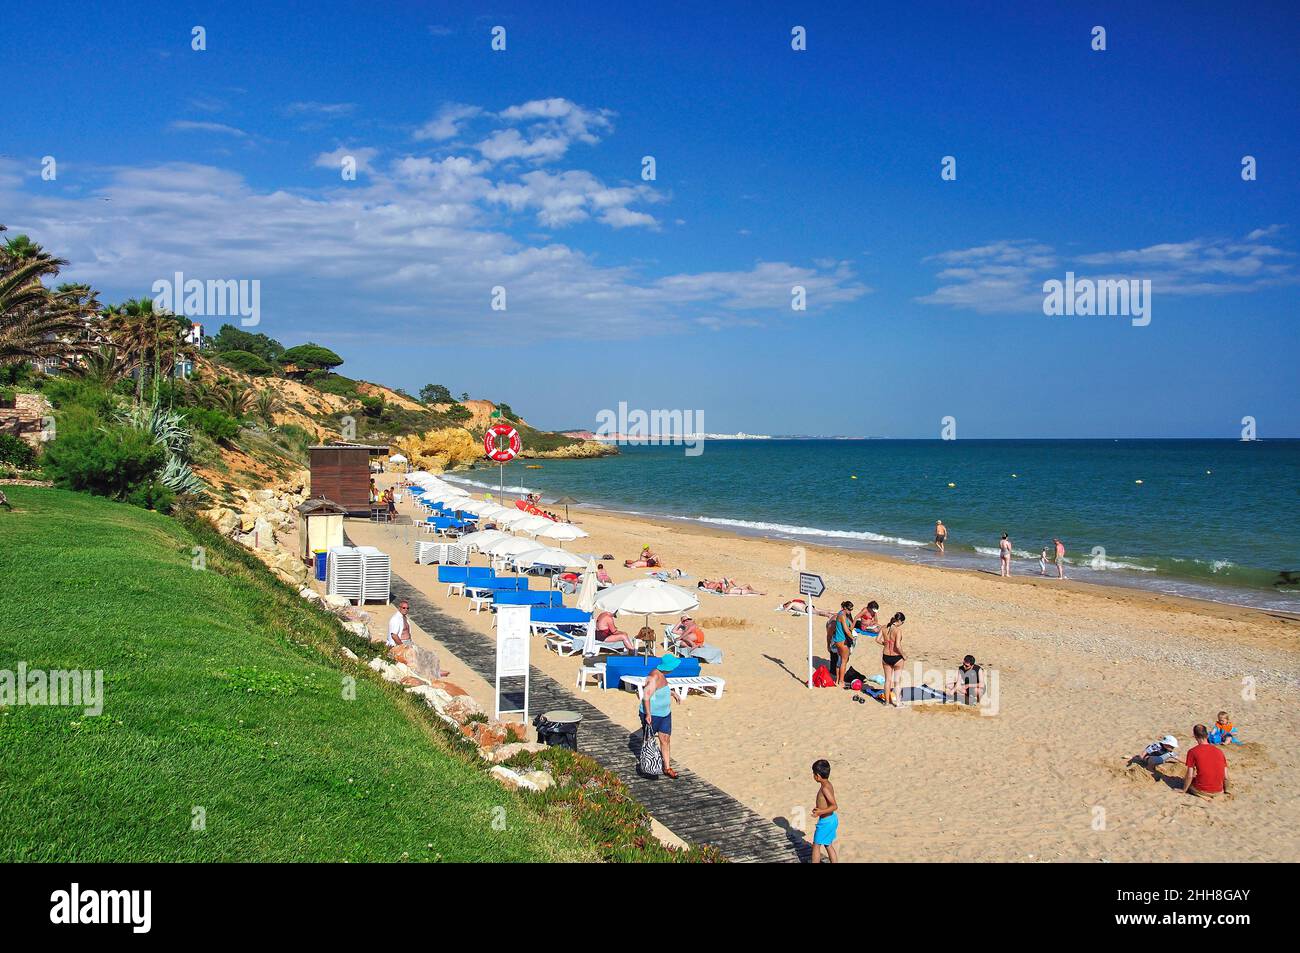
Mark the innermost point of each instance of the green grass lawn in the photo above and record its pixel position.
(222, 691)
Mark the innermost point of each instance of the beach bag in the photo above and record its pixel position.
(652, 758)
(853, 675)
(822, 678)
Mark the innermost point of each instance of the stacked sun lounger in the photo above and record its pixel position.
(376, 574)
(343, 572)
(444, 554)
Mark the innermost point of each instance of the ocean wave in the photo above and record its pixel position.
(1017, 553)
(1101, 564)
(807, 530)
(490, 487)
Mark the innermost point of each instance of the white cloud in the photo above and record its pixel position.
(334, 160)
(327, 110)
(510, 144)
(446, 124)
(186, 125)
(564, 198)
(1007, 276)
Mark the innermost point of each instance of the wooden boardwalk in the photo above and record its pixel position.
(690, 807)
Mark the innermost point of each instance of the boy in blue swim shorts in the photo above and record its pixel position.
(826, 812)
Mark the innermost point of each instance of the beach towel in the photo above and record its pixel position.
(707, 653)
(921, 693)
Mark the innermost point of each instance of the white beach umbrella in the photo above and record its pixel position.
(646, 597)
(531, 524)
(510, 546)
(397, 458)
(562, 532)
(587, 594)
(482, 538)
(510, 517)
(492, 510)
(550, 558)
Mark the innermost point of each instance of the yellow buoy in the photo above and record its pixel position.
(952, 484)
(853, 477)
(1137, 481)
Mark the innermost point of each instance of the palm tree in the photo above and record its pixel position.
(233, 399)
(104, 366)
(149, 339)
(36, 323)
(22, 248)
(266, 405)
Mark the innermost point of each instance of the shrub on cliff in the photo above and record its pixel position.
(16, 452)
(112, 460)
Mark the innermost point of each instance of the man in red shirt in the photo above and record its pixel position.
(1207, 768)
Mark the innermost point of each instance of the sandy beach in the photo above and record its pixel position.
(1085, 676)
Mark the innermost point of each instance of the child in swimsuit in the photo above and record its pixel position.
(827, 813)
(1223, 732)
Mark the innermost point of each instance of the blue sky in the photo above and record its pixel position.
(775, 168)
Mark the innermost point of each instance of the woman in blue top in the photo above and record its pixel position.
(839, 640)
(657, 706)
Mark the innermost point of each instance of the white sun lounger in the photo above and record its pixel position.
(709, 685)
(564, 643)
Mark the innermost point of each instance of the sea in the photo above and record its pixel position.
(1209, 519)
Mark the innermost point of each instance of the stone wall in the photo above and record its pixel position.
(26, 419)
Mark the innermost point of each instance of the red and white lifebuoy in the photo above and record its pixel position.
(509, 451)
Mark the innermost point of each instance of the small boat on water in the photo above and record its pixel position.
(532, 466)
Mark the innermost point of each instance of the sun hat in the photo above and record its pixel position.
(668, 663)
(1169, 740)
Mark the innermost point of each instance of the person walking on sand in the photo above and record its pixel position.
(940, 535)
(826, 811)
(1060, 559)
(891, 656)
(657, 707)
(1004, 556)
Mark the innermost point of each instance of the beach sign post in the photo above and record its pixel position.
(504, 453)
(810, 585)
(512, 652)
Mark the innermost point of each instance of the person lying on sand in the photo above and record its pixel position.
(602, 577)
(1157, 753)
(646, 560)
(795, 606)
(608, 631)
(728, 587)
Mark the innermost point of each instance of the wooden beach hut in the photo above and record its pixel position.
(340, 472)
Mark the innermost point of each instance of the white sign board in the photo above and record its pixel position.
(810, 585)
(512, 651)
